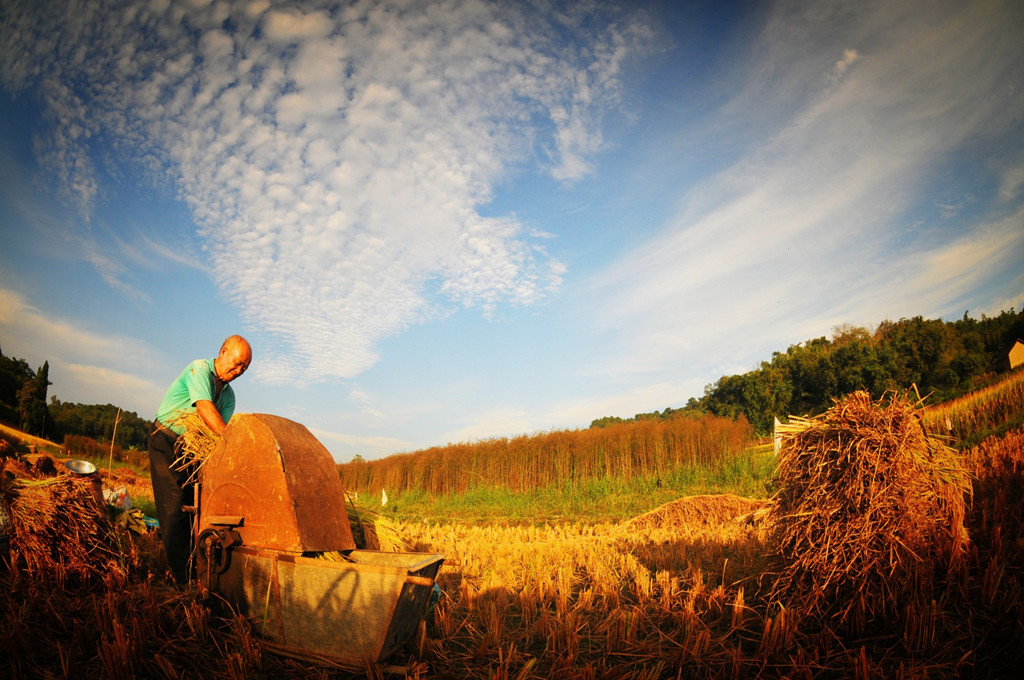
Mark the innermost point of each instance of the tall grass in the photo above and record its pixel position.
(594, 500)
(564, 458)
(992, 410)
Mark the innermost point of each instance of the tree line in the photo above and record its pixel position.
(942, 359)
(23, 405)
(23, 394)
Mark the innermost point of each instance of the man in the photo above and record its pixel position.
(202, 387)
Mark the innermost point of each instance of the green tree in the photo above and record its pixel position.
(97, 422)
(13, 374)
(942, 359)
(32, 402)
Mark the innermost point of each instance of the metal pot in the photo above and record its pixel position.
(80, 467)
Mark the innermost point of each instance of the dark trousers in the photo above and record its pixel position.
(170, 492)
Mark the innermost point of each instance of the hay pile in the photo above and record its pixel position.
(869, 512)
(373, 531)
(59, 534)
(706, 509)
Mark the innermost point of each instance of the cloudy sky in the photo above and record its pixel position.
(460, 219)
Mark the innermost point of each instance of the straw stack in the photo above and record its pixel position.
(869, 511)
(60, 536)
(689, 510)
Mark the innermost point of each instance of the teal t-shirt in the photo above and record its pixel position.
(196, 383)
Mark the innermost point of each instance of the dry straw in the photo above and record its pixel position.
(870, 510)
(373, 531)
(686, 511)
(370, 531)
(60, 536)
(196, 445)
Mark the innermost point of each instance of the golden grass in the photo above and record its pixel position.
(689, 510)
(979, 412)
(576, 601)
(29, 440)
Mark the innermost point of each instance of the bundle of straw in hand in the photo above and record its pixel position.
(195, 446)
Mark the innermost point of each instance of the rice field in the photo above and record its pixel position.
(689, 589)
(707, 588)
(992, 410)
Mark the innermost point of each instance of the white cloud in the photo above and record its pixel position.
(956, 268)
(77, 356)
(292, 25)
(344, 446)
(849, 57)
(335, 161)
(807, 230)
(486, 423)
(79, 382)
(1011, 183)
(626, 404)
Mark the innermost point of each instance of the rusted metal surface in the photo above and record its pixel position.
(272, 492)
(275, 474)
(347, 612)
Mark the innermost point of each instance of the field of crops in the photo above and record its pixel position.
(687, 590)
(565, 457)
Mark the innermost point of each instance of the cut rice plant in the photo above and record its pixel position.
(370, 531)
(870, 510)
(689, 510)
(195, 446)
(60, 535)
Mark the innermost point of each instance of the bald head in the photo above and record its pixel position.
(233, 359)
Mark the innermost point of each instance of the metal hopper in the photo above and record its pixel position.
(269, 497)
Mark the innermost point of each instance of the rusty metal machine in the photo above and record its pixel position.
(270, 503)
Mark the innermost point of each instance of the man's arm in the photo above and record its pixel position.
(210, 415)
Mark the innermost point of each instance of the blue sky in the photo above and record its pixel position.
(449, 221)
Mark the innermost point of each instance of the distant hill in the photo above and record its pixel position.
(941, 359)
(23, 406)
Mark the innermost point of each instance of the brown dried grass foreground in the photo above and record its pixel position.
(84, 598)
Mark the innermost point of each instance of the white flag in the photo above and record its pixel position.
(383, 498)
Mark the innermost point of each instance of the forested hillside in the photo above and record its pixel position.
(943, 359)
(23, 405)
(97, 421)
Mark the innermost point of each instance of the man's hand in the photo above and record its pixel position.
(210, 415)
